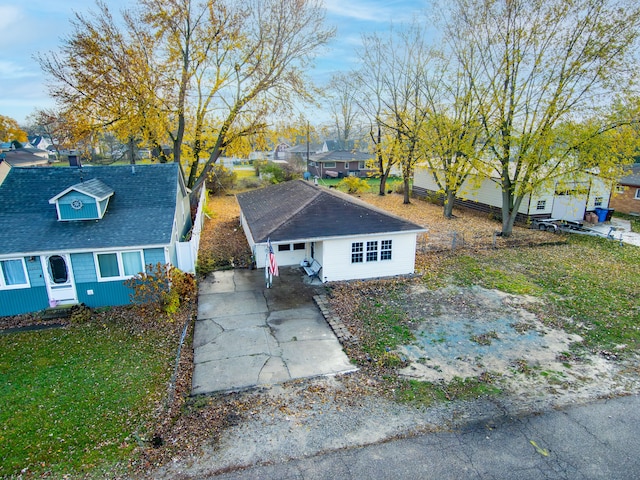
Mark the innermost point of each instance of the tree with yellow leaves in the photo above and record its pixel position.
(10, 130)
(208, 71)
(542, 73)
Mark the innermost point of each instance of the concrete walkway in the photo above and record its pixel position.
(622, 231)
(247, 335)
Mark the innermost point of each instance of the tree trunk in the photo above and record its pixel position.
(406, 191)
(510, 207)
(383, 184)
(449, 200)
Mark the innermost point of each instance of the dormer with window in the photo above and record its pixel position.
(86, 200)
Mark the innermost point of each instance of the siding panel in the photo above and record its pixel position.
(23, 300)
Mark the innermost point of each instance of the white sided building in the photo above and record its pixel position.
(567, 200)
(348, 238)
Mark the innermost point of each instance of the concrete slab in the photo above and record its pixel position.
(299, 324)
(217, 282)
(313, 358)
(274, 371)
(205, 331)
(230, 303)
(233, 322)
(247, 335)
(236, 343)
(228, 374)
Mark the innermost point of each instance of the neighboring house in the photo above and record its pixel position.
(348, 238)
(280, 151)
(568, 200)
(339, 164)
(40, 142)
(626, 196)
(70, 235)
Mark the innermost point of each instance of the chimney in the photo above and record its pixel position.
(74, 161)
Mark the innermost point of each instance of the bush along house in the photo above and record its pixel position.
(75, 235)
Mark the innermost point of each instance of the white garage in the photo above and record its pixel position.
(347, 238)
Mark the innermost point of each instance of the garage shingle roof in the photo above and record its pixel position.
(140, 212)
(299, 210)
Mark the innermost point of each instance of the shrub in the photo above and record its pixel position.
(354, 184)
(220, 179)
(162, 288)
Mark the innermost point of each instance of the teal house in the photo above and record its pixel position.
(73, 235)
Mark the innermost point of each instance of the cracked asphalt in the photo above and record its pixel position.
(593, 441)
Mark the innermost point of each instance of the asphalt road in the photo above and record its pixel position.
(594, 441)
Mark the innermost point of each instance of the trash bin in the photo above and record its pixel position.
(609, 214)
(602, 214)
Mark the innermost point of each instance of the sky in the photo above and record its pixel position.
(28, 28)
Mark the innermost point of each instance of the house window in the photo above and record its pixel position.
(329, 164)
(637, 197)
(542, 204)
(119, 265)
(361, 166)
(385, 250)
(312, 163)
(299, 246)
(13, 274)
(372, 251)
(619, 188)
(357, 250)
(597, 202)
(285, 247)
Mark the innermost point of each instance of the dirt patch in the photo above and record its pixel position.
(469, 332)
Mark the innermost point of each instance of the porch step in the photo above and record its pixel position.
(61, 311)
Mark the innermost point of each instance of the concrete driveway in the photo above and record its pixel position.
(247, 335)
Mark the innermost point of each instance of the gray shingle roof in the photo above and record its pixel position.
(341, 156)
(140, 211)
(92, 187)
(631, 177)
(300, 210)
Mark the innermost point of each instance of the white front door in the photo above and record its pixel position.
(59, 279)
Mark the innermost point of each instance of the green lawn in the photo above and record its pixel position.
(78, 399)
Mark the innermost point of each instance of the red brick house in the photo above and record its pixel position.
(626, 195)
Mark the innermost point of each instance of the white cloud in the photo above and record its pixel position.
(9, 15)
(374, 11)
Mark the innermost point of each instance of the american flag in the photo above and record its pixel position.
(273, 265)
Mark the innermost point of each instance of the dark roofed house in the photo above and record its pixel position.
(348, 238)
(339, 163)
(626, 197)
(70, 235)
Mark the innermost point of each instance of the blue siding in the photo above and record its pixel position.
(34, 270)
(104, 294)
(88, 211)
(84, 269)
(23, 300)
(153, 256)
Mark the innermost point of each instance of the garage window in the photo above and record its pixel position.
(372, 251)
(385, 250)
(357, 252)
